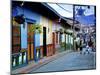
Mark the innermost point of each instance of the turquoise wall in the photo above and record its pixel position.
(23, 36)
(33, 16)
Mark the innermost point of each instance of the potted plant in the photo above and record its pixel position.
(23, 50)
(19, 19)
(14, 22)
(36, 28)
(61, 31)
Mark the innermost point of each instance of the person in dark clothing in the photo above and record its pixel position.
(83, 48)
(80, 45)
(90, 43)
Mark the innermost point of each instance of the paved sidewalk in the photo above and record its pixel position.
(35, 65)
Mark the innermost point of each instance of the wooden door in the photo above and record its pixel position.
(44, 42)
(16, 42)
(30, 43)
(56, 37)
(53, 39)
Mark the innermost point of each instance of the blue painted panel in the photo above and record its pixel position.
(23, 36)
(14, 11)
(37, 40)
(30, 20)
(29, 14)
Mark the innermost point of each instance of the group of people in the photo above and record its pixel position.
(85, 46)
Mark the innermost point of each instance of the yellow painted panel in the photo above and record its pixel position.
(50, 31)
(28, 52)
(32, 50)
(50, 25)
(45, 22)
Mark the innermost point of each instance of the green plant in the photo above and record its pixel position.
(66, 45)
(56, 31)
(23, 50)
(61, 30)
(37, 28)
(37, 48)
(69, 46)
(63, 44)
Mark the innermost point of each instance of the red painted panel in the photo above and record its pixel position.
(16, 44)
(56, 37)
(53, 39)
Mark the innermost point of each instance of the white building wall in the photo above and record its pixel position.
(63, 37)
(45, 22)
(66, 38)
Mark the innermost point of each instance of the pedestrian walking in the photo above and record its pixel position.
(85, 49)
(90, 44)
(77, 43)
(81, 46)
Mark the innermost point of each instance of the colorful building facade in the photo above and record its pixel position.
(27, 45)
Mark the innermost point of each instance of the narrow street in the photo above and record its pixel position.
(70, 61)
(49, 40)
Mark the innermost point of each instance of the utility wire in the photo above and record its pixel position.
(63, 8)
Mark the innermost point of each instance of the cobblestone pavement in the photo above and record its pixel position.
(70, 61)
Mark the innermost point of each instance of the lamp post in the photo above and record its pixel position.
(72, 27)
(80, 12)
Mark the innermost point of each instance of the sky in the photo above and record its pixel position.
(62, 11)
(66, 10)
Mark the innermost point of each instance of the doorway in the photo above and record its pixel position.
(44, 42)
(53, 39)
(30, 42)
